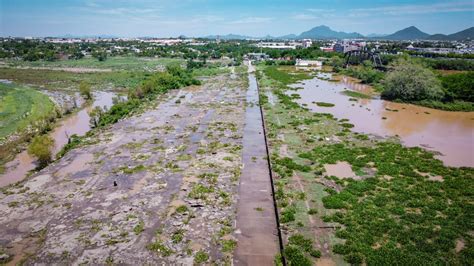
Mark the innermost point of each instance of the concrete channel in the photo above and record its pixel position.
(257, 221)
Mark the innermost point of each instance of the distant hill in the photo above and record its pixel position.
(288, 37)
(458, 36)
(229, 37)
(375, 35)
(410, 33)
(324, 32)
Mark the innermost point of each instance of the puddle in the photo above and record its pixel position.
(450, 133)
(340, 170)
(77, 123)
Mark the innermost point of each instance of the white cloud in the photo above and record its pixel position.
(249, 20)
(303, 17)
(413, 9)
(320, 10)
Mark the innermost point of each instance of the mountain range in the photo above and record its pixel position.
(324, 32)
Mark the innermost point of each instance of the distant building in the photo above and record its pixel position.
(338, 47)
(327, 49)
(307, 63)
(278, 45)
(257, 56)
(307, 43)
(346, 46)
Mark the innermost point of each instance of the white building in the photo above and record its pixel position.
(307, 63)
(307, 43)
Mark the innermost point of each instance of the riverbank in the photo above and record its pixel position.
(456, 87)
(156, 187)
(328, 177)
(60, 129)
(25, 112)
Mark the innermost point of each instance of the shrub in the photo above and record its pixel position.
(85, 90)
(201, 257)
(41, 147)
(182, 209)
(354, 258)
(459, 86)
(410, 81)
(296, 257)
(288, 215)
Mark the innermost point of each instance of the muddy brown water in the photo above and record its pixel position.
(77, 123)
(449, 133)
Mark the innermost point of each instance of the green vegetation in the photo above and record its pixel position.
(411, 82)
(41, 147)
(21, 107)
(458, 87)
(405, 207)
(406, 218)
(177, 236)
(229, 245)
(365, 72)
(116, 63)
(64, 80)
(200, 191)
(160, 248)
(85, 90)
(182, 209)
(301, 245)
(356, 94)
(159, 83)
(323, 104)
(283, 76)
(201, 257)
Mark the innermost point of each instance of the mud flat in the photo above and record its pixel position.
(448, 133)
(257, 236)
(157, 188)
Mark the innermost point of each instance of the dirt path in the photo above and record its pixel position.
(257, 233)
(157, 188)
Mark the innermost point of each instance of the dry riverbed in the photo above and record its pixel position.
(159, 187)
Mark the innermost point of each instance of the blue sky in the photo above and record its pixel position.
(166, 18)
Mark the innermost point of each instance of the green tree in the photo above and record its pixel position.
(85, 90)
(459, 86)
(100, 55)
(411, 81)
(336, 62)
(41, 147)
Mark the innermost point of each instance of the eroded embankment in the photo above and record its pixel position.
(155, 188)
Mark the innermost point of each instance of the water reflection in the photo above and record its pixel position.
(77, 123)
(450, 133)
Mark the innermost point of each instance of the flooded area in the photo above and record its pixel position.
(448, 133)
(77, 123)
(172, 170)
(340, 170)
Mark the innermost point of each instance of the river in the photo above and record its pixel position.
(451, 134)
(77, 123)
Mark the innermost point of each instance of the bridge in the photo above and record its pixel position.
(358, 55)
